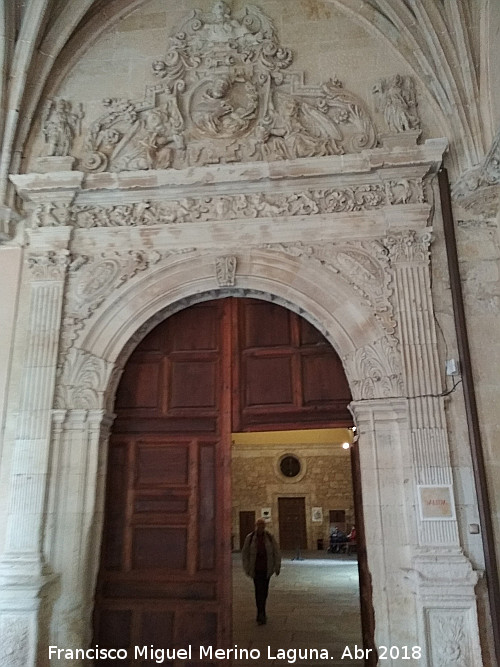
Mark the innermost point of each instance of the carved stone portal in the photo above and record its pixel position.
(224, 94)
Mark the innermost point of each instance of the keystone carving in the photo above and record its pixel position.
(225, 270)
(225, 93)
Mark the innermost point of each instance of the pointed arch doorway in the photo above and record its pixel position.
(214, 368)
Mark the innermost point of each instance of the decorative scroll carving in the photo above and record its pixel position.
(363, 197)
(49, 265)
(363, 265)
(395, 97)
(82, 382)
(409, 247)
(478, 190)
(375, 371)
(91, 280)
(60, 126)
(14, 648)
(224, 94)
(225, 269)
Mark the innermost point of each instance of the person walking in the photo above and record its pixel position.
(261, 559)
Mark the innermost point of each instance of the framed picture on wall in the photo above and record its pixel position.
(317, 514)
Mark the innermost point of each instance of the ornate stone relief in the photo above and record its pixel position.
(396, 98)
(375, 370)
(224, 94)
(60, 125)
(365, 197)
(478, 190)
(91, 280)
(409, 247)
(82, 381)
(225, 270)
(48, 265)
(361, 264)
(449, 644)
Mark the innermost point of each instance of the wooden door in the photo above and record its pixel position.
(247, 525)
(292, 523)
(165, 566)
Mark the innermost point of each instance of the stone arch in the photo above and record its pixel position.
(301, 284)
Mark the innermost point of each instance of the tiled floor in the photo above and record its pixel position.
(313, 604)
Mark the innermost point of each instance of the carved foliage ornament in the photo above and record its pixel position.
(92, 280)
(375, 371)
(409, 247)
(365, 197)
(362, 265)
(49, 265)
(224, 94)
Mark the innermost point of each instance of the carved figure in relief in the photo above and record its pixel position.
(396, 98)
(60, 126)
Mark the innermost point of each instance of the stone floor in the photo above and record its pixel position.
(313, 604)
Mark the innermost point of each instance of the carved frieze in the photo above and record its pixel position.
(49, 265)
(225, 93)
(362, 265)
(364, 197)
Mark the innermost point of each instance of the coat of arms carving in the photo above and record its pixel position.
(225, 93)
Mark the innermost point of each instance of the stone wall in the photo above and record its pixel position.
(324, 481)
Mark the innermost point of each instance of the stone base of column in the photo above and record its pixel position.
(446, 597)
(24, 605)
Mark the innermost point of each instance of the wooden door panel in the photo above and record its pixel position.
(292, 523)
(287, 375)
(165, 555)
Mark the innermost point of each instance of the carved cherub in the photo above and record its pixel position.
(60, 126)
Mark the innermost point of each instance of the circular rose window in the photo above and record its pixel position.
(290, 466)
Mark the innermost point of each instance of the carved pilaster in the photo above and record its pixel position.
(24, 572)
